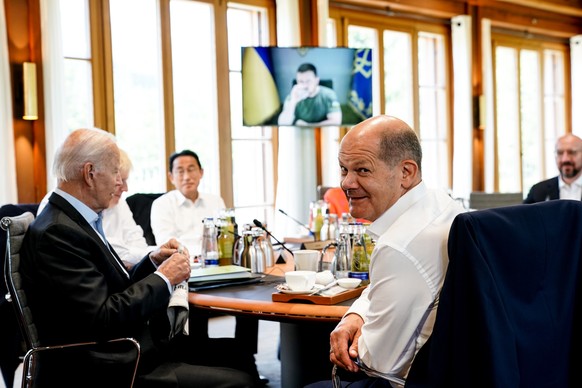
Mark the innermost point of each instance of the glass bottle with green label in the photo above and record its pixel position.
(360, 254)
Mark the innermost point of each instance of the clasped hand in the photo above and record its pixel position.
(173, 260)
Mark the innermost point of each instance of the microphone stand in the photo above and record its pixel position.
(298, 222)
(260, 225)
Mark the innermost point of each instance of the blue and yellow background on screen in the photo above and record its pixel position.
(268, 74)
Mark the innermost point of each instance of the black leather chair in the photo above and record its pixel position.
(141, 207)
(12, 348)
(510, 309)
(90, 364)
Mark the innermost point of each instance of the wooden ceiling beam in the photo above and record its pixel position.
(558, 18)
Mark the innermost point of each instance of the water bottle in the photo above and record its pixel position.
(324, 231)
(333, 232)
(209, 244)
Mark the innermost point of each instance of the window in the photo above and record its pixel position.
(530, 111)
(138, 90)
(194, 85)
(433, 109)
(411, 65)
(76, 46)
(155, 77)
(252, 147)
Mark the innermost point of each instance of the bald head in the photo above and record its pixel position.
(380, 161)
(391, 137)
(569, 157)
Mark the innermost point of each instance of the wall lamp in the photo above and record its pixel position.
(25, 91)
(30, 103)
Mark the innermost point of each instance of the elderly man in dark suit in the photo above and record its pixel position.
(567, 185)
(79, 290)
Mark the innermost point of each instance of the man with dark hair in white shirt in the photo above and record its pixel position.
(179, 213)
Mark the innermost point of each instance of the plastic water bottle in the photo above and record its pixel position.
(209, 244)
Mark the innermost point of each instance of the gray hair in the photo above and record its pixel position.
(85, 145)
(400, 144)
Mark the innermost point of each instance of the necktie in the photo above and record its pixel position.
(99, 228)
(99, 225)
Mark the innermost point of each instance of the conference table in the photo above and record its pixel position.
(304, 327)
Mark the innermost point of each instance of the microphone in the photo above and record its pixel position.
(298, 222)
(260, 225)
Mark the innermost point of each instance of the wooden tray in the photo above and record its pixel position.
(318, 299)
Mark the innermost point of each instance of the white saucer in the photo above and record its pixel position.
(297, 292)
(283, 289)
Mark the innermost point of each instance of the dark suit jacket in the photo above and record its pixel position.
(75, 285)
(543, 191)
(509, 312)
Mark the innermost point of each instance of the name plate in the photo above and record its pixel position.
(316, 245)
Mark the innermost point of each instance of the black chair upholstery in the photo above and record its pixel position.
(12, 348)
(509, 312)
(90, 364)
(141, 207)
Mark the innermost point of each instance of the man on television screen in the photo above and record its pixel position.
(309, 103)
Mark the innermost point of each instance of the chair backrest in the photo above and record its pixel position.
(11, 210)
(509, 311)
(16, 228)
(141, 207)
(480, 200)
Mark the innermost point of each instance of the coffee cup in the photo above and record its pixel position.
(300, 280)
(306, 260)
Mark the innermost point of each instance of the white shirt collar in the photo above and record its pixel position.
(391, 214)
(562, 184)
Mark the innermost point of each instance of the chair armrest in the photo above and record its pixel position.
(108, 364)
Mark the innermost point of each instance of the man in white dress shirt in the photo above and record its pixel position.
(179, 213)
(380, 163)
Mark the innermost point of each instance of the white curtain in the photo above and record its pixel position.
(296, 185)
(463, 116)
(489, 104)
(8, 191)
(55, 130)
(576, 66)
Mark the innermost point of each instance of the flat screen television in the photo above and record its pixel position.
(306, 86)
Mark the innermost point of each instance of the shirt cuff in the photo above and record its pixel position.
(165, 280)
